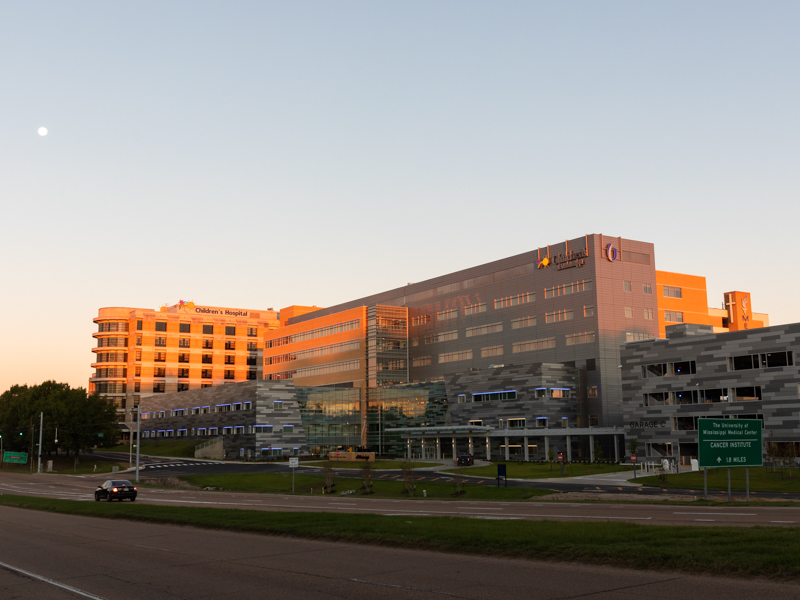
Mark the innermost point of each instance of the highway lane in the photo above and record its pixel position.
(82, 488)
(118, 560)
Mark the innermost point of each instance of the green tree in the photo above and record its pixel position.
(633, 445)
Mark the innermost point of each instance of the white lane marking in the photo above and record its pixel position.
(781, 521)
(151, 547)
(705, 520)
(52, 582)
(718, 514)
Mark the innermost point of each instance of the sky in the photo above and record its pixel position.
(262, 154)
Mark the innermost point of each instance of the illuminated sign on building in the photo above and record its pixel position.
(571, 259)
(611, 253)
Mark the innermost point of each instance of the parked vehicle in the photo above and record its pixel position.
(115, 489)
(465, 460)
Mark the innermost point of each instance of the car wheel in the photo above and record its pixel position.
(96, 497)
(109, 498)
(133, 499)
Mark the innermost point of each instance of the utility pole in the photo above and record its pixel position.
(30, 446)
(41, 425)
(138, 427)
(130, 445)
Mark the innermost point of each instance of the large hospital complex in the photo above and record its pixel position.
(572, 347)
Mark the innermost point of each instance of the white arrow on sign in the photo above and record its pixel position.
(719, 459)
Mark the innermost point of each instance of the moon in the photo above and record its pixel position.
(42, 131)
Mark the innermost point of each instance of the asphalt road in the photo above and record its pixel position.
(78, 487)
(612, 484)
(41, 553)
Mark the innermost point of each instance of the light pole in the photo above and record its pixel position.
(41, 423)
(138, 427)
(130, 439)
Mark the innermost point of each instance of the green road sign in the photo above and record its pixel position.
(15, 457)
(730, 442)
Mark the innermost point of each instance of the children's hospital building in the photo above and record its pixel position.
(547, 350)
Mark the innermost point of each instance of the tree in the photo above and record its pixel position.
(408, 478)
(551, 455)
(598, 451)
(367, 473)
(633, 445)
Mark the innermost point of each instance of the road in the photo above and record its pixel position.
(77, 487)
(41, 553)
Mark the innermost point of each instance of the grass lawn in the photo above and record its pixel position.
(378, 464)
(521, 470)
(762, 479)
(66, 466)
(178, 449)
(731, 551)
(281, 483)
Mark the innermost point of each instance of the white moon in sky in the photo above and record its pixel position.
(42, 131)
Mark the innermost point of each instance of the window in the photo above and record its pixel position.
(184, 343)
(160, 356)
(314, 352)
(636, 336)
(236, 406)
(516, 423)
(454, 356)
(421, 320)
(208, 359)
(462, 398)
(313, 334)
(277, 404)
(183, 387)
(161, 341)
(592, 391)
(422, 361)
(208, 344)
(348, 365)
(159, 387)
(230, 359)
(205, 373)
(594, 421)
(588, 311)
(672, 292)
(230, 374)
(476, 422)
(183, 373)
(252, 332)
(208, 330)
(227, 430)
(160, 372)
(647, 288)
(262, 428)
(648, 314)
(484, 329)
(744, 394)
(246, 406)
(541, 421)
(627, 285)
(687, 367)
(138, 325)
(628, 312)
(761, 361)
(137, 386)
(138, 371)
(230, 330)
(523, 322)
(474, 309)
(185, 328)
(539, 344)
(230, 344)
(213, 430)
(415, 341)
(540, 392)
(445, 336)
(183, 358)
(446, 315)
(560, 393)
(579, 338)
(138, 340)
(656, 370)
(568, 288)
(492, 396)
(252, 375)
(252, 346)
(564, 421)
(558, 315)
(251, 360)
(288, 429)
(138, 355)
(514, 300)
(161, 325)
(222, 408)
(491, 351)
(673, 316)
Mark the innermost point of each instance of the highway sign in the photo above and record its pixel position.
(730, 442)
(15, 457)
(633, 458)
(294, 462)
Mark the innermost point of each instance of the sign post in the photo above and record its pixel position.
(294, 462)
(633, 460)
(730, 443)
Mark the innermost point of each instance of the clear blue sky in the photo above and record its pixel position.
(262, 154)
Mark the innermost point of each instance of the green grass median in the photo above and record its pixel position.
(523, 470)
(177, 449)
(377, 465)
(762, 479)
(732, 551)
(63, 465)
(281, 483)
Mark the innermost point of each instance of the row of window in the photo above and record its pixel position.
(568, 288)
(519, 423)
(206, 344)
(685, 367)
(207, 329)
(314, 333)
(348, 365)
(673, 316)
(707, 396)
(647, 288)
(313, 352)
(761, 361)
(117, 357)
(112, 342)
(214, 431)
(197, 410)
(111, 327)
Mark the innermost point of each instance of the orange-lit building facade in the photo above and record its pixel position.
(683, 298)
(139, 352)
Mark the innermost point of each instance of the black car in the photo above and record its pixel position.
(115, 489)
(465, 460)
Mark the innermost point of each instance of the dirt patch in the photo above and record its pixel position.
(170, 482)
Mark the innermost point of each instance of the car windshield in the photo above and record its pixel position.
(121, 483)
